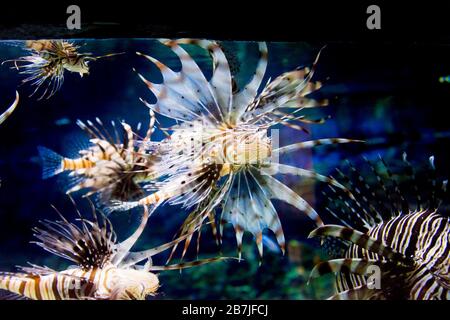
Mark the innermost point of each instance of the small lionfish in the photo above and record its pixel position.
(219, 152)
(397, 234)
(10, 110)
(111, 167)
(47, 62)
(104, 270)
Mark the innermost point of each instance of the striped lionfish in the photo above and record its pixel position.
(220, 151)
(104, 270)
(48, 61)
(399, 228)
(10, 110)
(110, 167)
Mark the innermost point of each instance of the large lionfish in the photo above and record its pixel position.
(10, 110)
(220, 151)
(395, 236)
(104, 268)
(47, 62)
(111, 167)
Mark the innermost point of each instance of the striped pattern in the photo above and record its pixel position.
(220, 151)
(411, 247)
(105, 269)
(423, 236)
(68, 285)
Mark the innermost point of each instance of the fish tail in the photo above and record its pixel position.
(52, 163)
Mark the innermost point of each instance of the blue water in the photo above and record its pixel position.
(389, 95)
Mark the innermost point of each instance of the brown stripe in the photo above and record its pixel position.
(55, 288)
(264, 55)
(92, 275)
(85, 285)
(64, 163)
(72, 289)
(37, 290)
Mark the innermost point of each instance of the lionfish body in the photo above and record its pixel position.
(76, 283)
(10, 110)
(48, 60)
(110, 167)
(408, 242)
(104, 270)
(221, 151)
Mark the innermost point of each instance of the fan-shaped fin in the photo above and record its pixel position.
(92, 245)
(220, 81)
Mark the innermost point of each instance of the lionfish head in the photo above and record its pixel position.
(252, 148)
(79, 66)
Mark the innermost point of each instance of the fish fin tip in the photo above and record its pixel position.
(51, 162)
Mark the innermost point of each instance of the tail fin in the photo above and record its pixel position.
(51, 162)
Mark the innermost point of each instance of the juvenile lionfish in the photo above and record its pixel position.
(220, 151)
(111, 167)
(398, 225)
(10, 110)
(104, 270)
(47, 62)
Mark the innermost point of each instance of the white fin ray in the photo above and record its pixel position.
(220, 81)
(268, 211)
(123, 248)
(133, 258)
(195, 78)
(248, 208)
(169, 103)
(280, 191)
(247, 95)
(278, 168)
(231, 211)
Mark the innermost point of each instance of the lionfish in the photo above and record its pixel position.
(220, 151)
(111, 167)
(395, 235)
(10, 110)
(104, 270)
(47, 62)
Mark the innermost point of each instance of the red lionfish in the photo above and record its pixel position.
(47, 62)
(10, 110)
(111, 167)
(219, 151)
(104, 270)
(399, 226)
